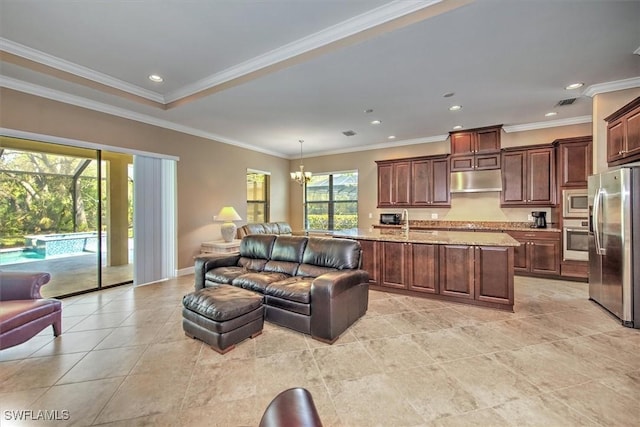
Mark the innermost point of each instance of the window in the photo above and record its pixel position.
(332, 201)
(257, 196)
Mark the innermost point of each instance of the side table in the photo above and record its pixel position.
(220, 247)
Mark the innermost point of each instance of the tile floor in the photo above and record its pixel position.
(123, 360)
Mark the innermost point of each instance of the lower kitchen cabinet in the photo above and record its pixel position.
(393, 263)
(423, 268)
(494, 284)
(371, 259)
(457, 271)
(481, 275)
(538, 253)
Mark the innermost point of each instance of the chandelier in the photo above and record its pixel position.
(301, 176)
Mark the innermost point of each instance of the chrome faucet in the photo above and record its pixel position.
(405, 217)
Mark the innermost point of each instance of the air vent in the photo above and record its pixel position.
(348, 133)
(564, 102)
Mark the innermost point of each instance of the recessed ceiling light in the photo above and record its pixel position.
(448, 94)
(156, 78)
(455, 108)
(574, 86)
(551, 114)
(368, 110)
(456, 127)
(376, 122)
(391, 137)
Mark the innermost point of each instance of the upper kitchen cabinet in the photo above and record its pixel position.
(430, 181)
(528, 176)
(575, 161)
(475, 149)
(394, 183)
(415, 182)
(623, 134)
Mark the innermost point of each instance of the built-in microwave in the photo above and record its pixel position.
(575, 203)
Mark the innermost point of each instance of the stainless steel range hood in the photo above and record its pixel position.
(476, 181)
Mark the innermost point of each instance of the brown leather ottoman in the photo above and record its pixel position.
(222, 316)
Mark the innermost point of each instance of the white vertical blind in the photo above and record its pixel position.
(154, 219)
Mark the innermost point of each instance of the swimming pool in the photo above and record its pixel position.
(18, 255)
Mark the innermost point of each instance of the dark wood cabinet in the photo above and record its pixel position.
(371, 259)
(575, 161)
(481, 275)
(475, 141)
(430, 182)
(528, 177)
(457, 271)
(475, 149)
(393, 262)
(492, 284)
(415, 182)
(423, 267)
(394, 183)
(538, 253)
(623, 134)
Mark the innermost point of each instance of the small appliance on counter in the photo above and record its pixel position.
(390, 219)
(539, 219)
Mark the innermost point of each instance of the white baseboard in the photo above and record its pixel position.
(185, 271)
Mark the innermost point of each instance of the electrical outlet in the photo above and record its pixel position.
(434, 216)
(370, 215)
(215, 217)
(529, 218)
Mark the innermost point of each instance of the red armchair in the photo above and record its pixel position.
(23, 311)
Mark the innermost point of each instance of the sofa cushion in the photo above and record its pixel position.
(16, 313)
(258, 281)
(224, 274)
(335, 253)
(284, 228)
(222, 303)
(289, 268)
(257, 246)
(292, 288)
(255, 264)
(289, 248)
(287, 305)
(309, 270)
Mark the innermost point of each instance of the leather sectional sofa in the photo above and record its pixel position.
(280, 228)
(312, 285)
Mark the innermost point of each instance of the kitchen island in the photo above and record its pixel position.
(462, 266)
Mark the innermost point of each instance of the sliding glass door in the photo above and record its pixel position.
(65, 210)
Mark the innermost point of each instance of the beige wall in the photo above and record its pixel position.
(603, 105)
(466, 206)
(210, 174)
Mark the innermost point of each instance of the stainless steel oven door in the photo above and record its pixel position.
(575, 241)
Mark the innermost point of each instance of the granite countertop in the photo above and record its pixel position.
(437, 237)
(471, 225)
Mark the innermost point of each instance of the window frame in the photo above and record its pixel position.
(331, 202)
(266, 202)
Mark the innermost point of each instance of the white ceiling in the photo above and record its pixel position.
(323, 63)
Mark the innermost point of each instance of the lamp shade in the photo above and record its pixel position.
(228, 228)
(228, 213)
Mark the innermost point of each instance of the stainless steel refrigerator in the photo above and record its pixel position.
(614, 243)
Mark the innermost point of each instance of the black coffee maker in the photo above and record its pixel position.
(539, 219)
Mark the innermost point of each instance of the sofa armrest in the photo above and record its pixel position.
(338, 299)
(329, 285)
(16, 285)
(204, 263)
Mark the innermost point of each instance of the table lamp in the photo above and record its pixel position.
(228, 229)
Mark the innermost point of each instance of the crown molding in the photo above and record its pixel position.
(379, 146)
(55, 95)
(332, 34)
(548, 124)
(77, 70)
(612, 86)
(20, 134)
